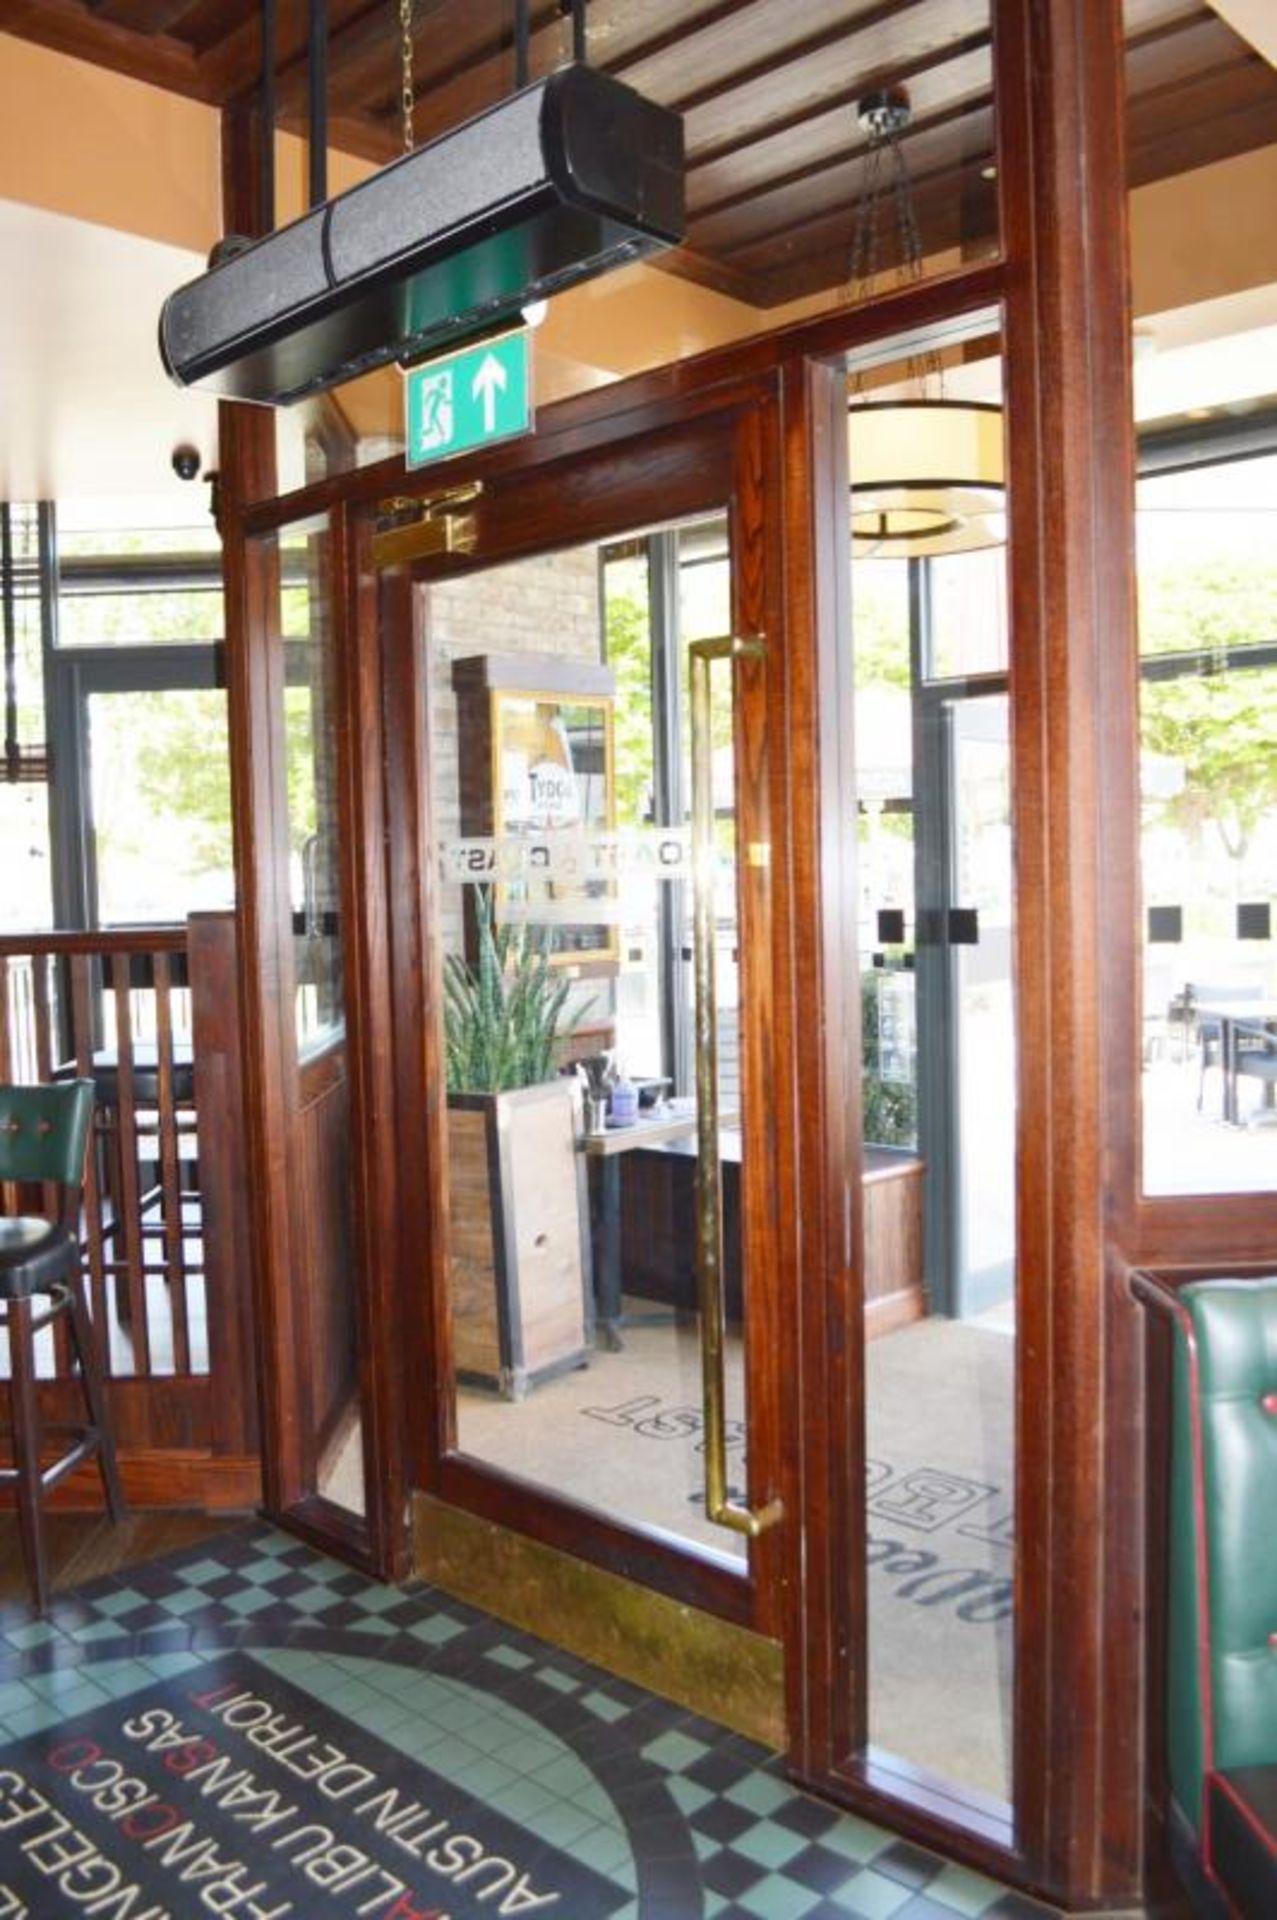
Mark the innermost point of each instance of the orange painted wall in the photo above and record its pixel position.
(77, 140)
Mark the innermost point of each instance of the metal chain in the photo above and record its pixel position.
(408, 95)
(886, 179)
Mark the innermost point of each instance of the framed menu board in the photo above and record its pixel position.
(538, 796)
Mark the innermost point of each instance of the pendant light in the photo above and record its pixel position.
(927, 471)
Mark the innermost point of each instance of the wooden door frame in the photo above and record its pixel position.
(1061, 285)
(725, 453)
(1078, 1833)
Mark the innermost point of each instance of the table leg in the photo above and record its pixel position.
(606, 1181)
(1228, 1065)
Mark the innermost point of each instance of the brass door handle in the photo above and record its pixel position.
(723, 1511)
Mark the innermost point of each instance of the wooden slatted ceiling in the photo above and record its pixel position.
(767, 88)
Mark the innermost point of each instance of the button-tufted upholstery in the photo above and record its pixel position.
(1223, 1597)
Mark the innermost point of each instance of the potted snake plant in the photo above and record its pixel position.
(518, 1201)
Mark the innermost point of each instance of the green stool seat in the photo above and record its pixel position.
(44, 1133)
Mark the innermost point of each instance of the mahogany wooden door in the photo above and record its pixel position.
(586, 784)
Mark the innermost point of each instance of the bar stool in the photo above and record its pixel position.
(44, 1134)
(105, 1067)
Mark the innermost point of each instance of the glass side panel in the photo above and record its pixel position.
(24, 830)
(1208, 777)
(325, 1277)
(1205, 418)
(560, 762)
(160, 804)
(932, 802)
(131, 587)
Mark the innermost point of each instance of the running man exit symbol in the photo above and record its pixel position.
(468, 399)
(436, 411)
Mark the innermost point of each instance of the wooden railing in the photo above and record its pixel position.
(151, 1017)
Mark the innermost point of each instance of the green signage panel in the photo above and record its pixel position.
(469, 399)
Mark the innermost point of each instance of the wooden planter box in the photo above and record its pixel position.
(522, 1301)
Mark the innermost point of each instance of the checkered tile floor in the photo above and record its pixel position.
(681, 1818)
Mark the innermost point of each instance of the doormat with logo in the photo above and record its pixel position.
(251, 1729)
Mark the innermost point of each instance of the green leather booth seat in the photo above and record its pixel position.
(1241, 1810)
(1223, 1586)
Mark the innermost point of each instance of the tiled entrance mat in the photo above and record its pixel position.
(251, 1729)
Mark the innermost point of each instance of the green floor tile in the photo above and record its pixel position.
(560, 1681)
(760, 1793)
(205, 1570)
(180, 1604)
(125, 1601)
(509, 1657)
(378, 1599)
(687, 1795)
(38, 1633)
(769, 1845)
(167, 1666)
(524, 1801)
(249, 1603)
(778, 1899)
(675, 1752)
(33, 1719)
(61, 1683)
(606, 1848)
(436, 1632)
(606, 1709)
(856, 1839)
(485, 1777)
(313, 1599)
(966, 1892)
(872, 1896)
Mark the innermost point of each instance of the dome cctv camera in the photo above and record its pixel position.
(186, 462)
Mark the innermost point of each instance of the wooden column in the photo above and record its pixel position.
(229, 1250)
(255, 670)
(1079, 1590)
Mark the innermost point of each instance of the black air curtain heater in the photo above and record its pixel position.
(574, 175)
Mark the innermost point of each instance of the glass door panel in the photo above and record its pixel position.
(932, 803)
(984, 1012)
(1208, 715)
(561, 758)
(325, 1280)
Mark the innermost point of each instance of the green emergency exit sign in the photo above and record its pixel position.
(469, 399)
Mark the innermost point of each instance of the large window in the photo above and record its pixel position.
(139, 805)
(1207, 531)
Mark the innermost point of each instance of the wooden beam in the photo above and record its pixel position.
(142, 16)
(808, 139)
(68, 26)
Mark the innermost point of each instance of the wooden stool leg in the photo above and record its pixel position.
(84, 1339)
(26, 1448)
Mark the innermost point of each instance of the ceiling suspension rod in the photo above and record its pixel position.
(266, 114)
(317, 108)
(8, 597)
(577, 9)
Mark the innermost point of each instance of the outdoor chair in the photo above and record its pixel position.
(44, 1133)
(1210, 1033)
(1255, 1056)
